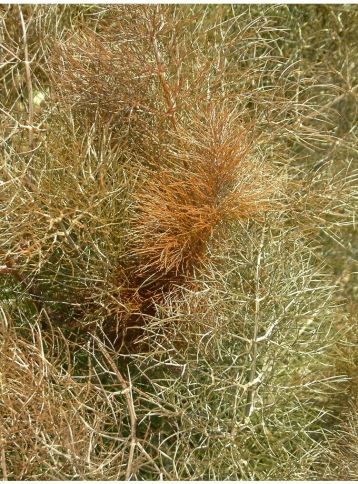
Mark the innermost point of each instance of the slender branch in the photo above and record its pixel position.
(338, 99)
(129, 399)
(9, 268)
(3, 465)
(253, 349)
(28, 79)
(170, 102)
(30, 289)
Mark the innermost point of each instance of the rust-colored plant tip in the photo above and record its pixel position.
(208, 178)
(114, 72)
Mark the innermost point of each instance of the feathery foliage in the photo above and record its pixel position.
(178, 189)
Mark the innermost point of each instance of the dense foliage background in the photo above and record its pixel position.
(178, 243)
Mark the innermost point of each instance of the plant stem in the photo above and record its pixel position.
(3, 465)
(253, 350)
(28, 80)
(129, 399)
